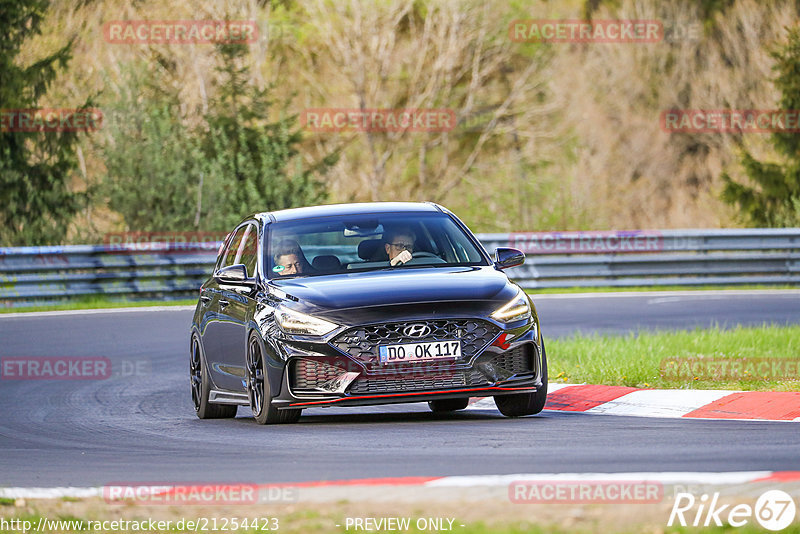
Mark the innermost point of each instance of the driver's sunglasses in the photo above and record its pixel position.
(403, 246)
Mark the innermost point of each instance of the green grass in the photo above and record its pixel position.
(98, 302)
(648, 359)
(609, 289)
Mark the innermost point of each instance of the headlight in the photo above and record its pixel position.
(293, 322)
(515, 309)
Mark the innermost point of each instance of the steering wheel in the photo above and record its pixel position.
(424, 254)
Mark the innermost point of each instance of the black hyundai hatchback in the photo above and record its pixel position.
(362, 304)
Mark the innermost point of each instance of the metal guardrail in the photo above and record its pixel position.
(30, 275)
(654, 257)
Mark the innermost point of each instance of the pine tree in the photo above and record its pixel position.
(153, 167)
(238, 160)
(251, 152)
(36, 202)
(774, 200)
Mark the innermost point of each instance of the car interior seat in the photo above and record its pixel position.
(372, 250)
(327, 264)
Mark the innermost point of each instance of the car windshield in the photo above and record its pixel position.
(371, 242)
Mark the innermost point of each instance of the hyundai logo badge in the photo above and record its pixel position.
(416, 330)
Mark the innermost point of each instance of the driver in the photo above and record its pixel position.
(399, 244)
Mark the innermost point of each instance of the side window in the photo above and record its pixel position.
(233, 246)
(249, 250)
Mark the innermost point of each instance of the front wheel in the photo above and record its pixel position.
(258, 390)
(525, 403)
(201, 386)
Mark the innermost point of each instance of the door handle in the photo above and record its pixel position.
(223, 304)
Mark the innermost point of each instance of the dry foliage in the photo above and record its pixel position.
(554, 136)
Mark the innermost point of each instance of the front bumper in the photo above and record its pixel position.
(396, 398)
(500, 368)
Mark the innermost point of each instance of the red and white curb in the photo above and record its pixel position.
(469, 481)
(735, 477)
(670, 403)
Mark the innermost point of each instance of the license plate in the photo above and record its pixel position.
(420, 352)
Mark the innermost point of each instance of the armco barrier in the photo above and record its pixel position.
(30, 275)
(554, 259)
(654, 257)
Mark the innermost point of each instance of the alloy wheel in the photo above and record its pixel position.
(196, 374)
(255, 377)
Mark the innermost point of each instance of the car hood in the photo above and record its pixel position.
(457, 287)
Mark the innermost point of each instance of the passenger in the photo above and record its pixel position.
(399, 244)
(289, 258)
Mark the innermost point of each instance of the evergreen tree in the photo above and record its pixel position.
(774, 200)
(162, 176)
(153, 168)
(253, 154)
(36, 202)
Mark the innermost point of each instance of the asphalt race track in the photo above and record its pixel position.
(562, 315)
(139, 425)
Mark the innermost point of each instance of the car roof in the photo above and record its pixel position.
(350, 209)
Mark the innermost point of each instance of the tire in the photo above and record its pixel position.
(258, 391)
(200, 382)
(525, 403)
(448, 405)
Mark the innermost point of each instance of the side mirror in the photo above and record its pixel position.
(234, 274)
(505, 258)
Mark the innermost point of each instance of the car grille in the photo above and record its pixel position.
(311, 374)
(392, 383)
(488, 370)
(515, 361)
(308, 374)
(362, 342)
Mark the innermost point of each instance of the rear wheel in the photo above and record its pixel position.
(448, 405)
(201, 386)
(258, 390)
(525, 403)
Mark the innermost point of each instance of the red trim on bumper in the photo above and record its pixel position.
(389, 395)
